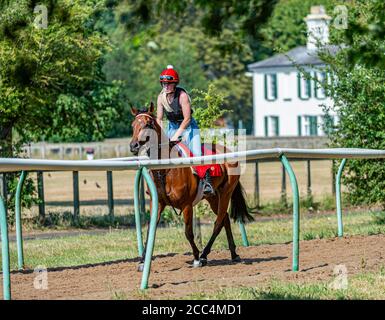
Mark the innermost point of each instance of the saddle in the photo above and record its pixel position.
(215, 170)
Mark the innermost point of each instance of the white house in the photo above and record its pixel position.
(284, 102)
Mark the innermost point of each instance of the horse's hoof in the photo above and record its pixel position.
(203, 261)
(236, 259)
(140, 267)
(197, 263)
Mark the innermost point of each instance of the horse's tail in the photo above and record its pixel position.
(239, 209)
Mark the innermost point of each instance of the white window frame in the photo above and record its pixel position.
(319, 92)
(271, 86)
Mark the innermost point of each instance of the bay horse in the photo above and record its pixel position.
(178, 187)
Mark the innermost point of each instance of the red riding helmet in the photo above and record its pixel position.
(169, 75)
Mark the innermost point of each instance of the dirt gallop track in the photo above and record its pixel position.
(173, 277)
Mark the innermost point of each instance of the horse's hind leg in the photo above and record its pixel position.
(188, 221)
(214, 202)
(230, 239)
(219, 206)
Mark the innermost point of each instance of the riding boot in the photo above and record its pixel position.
(208, 189)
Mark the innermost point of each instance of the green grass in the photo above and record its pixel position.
(65, 220)
(121, 244)
(307, 205)
(360, 286)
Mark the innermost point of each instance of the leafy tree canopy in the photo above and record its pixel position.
(286, 28)
(357, 88)
(51, 80)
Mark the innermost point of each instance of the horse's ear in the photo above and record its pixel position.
(134, 111)
(151, 109)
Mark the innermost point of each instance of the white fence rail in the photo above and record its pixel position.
(10, 165)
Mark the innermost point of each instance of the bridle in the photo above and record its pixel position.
(150, 125)
(147, 125)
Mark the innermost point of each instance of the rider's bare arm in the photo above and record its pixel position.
(186, 109)
(159, 112)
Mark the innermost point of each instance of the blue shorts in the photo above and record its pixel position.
(191, 135)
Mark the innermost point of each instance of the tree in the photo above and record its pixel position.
(140, 56)
(209, 106)
(51, 80)
(137, 62)
(358, 91)
(211, 16)
(286, 28)
(370, 30)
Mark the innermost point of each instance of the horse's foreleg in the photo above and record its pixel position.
(188, 221)
(161, 207)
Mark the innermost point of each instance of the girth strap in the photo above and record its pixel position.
(160, 180)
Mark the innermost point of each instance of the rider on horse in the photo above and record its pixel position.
(176, 103)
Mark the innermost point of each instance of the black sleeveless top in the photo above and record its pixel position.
(176, 115)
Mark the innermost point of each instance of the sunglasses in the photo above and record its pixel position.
(166, 78)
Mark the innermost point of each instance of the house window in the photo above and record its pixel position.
(271, 126)
(271, 90)
(319, 78)
(304, 88)
(307, 126)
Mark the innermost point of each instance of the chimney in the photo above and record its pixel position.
(317, 27)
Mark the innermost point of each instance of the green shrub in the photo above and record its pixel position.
(357, 89)
(170, 218)
(379, 218)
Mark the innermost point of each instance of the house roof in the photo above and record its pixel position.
(297, 56)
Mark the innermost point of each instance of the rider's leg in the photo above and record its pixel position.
(195, 147)
(171, 129)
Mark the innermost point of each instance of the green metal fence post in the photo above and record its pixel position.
(4, 190)
(256, 186)
(338, 198)
(5, 251)
(308, 167)
(244, 234)
(142, 199)
(294, 186)
(152, 231)
(137, 212)
(110, 196)
(19, 233)
(283, 188)
(40, 191)
(75, 182)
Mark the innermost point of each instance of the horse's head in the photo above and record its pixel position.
(144, 119)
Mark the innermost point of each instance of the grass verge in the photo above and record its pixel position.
(122, 244)
(363, 286)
